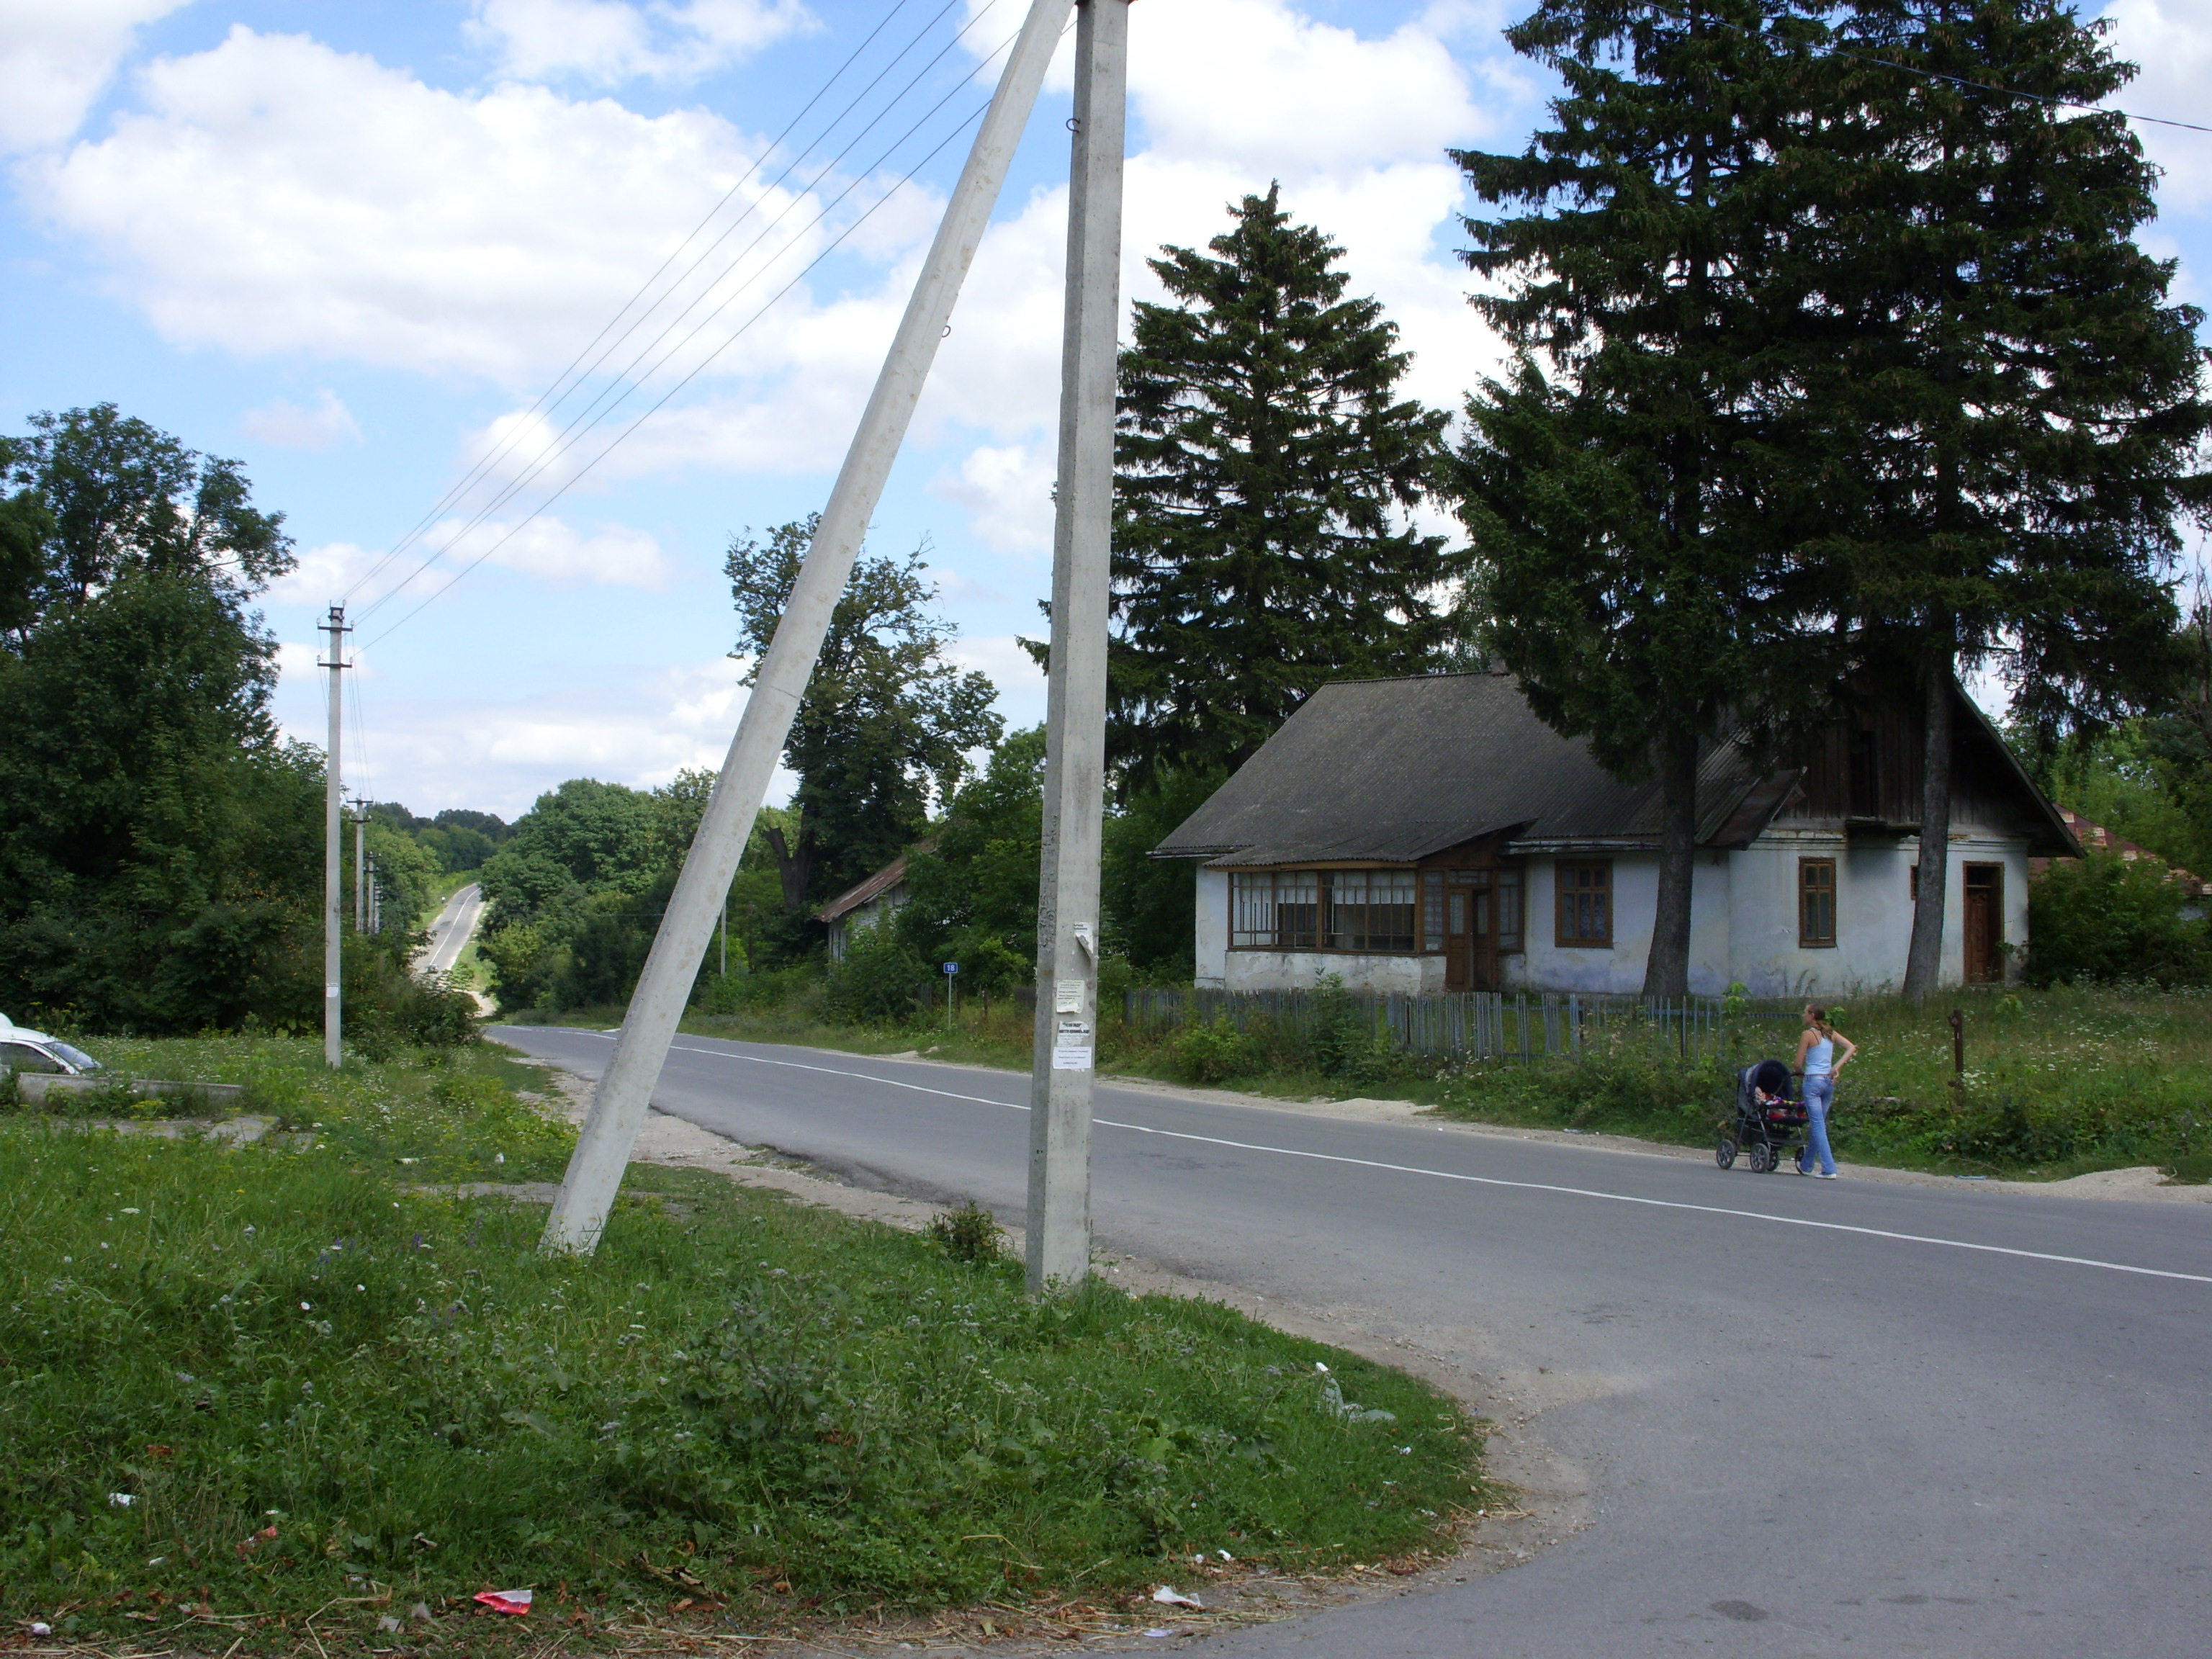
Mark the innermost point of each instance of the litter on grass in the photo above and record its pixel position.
(516, 1601)
(122, 1500)
(1169, 1595)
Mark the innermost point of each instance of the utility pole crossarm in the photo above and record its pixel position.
(625, 1092)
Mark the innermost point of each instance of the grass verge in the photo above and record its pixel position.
(240, 1384)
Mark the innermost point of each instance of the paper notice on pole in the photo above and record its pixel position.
(1067, 996)
(1071, 1059)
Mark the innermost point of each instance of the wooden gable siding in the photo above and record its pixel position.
(1864, 769)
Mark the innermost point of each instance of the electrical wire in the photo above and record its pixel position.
(562, 487)
(521, 429)
(558, 390)
(626, 381)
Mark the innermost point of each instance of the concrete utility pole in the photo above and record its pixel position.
(619, 1104)
(333, 844)
(359, 868)
(1062, 1065)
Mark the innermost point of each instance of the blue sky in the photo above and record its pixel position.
(352, 245)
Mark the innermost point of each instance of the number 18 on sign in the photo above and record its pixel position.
(950, 968)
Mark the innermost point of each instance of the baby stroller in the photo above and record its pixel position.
(1767, 1119)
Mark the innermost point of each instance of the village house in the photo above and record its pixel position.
(867, 903)
(1432, 834)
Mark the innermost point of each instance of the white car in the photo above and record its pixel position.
(22, 1049)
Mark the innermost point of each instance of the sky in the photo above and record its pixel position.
(360, 247)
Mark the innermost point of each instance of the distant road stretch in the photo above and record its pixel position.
(450, 934)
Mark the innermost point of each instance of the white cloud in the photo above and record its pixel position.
(606, 41)
(1007, 493)
(288, 426)
(555, 552)
(638, 728)
(272, 195)
(1021, 683)
(2172, 40)
(56, 56)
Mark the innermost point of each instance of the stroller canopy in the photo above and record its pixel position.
(1769, 1076)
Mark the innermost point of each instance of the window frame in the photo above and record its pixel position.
(1568, 898)
(1810, 938)
(1347, 926)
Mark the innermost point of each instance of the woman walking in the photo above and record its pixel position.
(1822, 1052)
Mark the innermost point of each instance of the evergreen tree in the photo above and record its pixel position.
(2013, 411)
(885, 722)
(1629, 506)
(1264, 472)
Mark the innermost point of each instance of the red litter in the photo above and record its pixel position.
(514, 1602)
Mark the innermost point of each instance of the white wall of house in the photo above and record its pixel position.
(1743, 924)
(1360, 970)
(877, 910)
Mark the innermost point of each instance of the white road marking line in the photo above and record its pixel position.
(1491, 1180)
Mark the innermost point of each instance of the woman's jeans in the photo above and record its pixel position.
(1820, 1095)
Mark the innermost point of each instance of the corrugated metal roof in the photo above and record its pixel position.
(874, 886)
(1389, 771)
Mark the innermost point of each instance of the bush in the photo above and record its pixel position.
(879, 979)
(1215, 1053)
(2109, 920)
(969, 1232)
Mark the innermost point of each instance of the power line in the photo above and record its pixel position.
(562, 487)
(627, 380)
(562, 386)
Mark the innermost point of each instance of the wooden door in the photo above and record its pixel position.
(1984, 933)
(1470, 931)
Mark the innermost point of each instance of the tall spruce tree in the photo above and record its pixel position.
(1265, 467)
(2013, 412)
(1623, 483)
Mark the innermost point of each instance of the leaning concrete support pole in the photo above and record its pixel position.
(1059, 1236)
(619, 1106)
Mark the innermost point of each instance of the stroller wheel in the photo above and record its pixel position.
(1760, 1156)
(1724, 1152)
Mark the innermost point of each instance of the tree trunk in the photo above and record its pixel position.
(1667, 970)
(793, 867)
(1923, 960)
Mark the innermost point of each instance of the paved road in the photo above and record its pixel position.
(451, 933)
(1822, 1417)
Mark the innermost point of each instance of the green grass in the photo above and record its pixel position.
(2057, 1082)
(314, 1382)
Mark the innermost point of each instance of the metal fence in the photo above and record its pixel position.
(1510, 1026)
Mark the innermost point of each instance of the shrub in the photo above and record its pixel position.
(1215, 1053)
(969, 1232)
(878, 978)
(2105, 919)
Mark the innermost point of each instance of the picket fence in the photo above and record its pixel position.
(1507, 1025)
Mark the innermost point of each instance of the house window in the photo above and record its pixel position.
(1274, 909)
(1586, 904)
(1816, 902)
(1509, 911)
(1371, 910)
(1333, 910)
(1432, 911)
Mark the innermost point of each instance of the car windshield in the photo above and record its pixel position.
(76, 1057)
